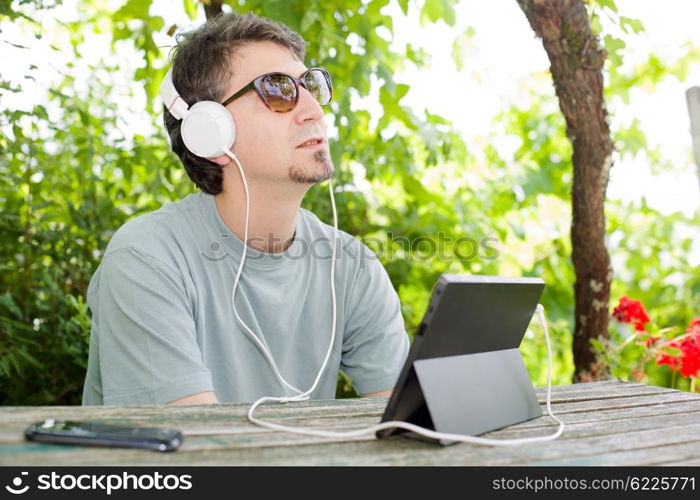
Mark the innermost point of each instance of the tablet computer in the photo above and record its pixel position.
(464, 373)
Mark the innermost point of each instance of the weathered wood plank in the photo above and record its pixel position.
(617, 427)
(601, 393)
(691, 405)
(611, 384)
(625, 402)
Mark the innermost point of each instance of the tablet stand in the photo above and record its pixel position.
(474, 393)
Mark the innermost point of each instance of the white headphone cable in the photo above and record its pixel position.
(302, 396)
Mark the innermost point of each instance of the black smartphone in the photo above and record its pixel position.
(101, 434)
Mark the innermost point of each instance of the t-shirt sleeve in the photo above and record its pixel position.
(375, 344)
(148, 352)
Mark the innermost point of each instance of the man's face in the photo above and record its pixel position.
(268, 143)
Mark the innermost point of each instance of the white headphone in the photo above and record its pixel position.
(206, 125)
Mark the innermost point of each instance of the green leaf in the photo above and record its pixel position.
(628, 24)
(449, 13)
(132, 9)
(28, 358)
(438, 10)
(155, 23)
(190, 8)
(460, 46)
(606, 4)
(417, 55)
(17, 324)
(436, 119)
(401, 90)
(9, 303)
(631, 140)
(596, 27)
(310, 17)
(284, 11)
(613, 46)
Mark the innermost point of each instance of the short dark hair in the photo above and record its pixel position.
(201, 71)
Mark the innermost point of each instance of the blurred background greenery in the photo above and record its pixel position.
(89, 152)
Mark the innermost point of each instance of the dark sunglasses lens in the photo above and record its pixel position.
(318, 86)
(279, 92)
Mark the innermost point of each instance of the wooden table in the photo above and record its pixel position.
(608, 423)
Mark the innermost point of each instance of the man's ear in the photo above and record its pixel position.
(222, 160)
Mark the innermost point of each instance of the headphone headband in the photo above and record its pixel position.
(171, 98)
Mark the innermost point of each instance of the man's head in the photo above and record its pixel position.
(220, 58)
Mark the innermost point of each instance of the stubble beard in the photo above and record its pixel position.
(321, 170)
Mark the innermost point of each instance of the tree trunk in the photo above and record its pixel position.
(576, 65)
(212, 8)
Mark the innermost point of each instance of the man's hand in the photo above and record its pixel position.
(380, 394)
(201, 398)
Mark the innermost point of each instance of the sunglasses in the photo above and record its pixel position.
(280, 92)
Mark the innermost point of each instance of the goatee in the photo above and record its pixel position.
(302, 175)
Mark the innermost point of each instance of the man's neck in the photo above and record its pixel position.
(273, 214)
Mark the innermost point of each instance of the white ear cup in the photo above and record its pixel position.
(207, 129)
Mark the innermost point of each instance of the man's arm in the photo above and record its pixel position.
(203, 398)
(375, 344)
(144, 333)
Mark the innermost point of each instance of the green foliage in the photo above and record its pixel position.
(70, 179)
(438, 10)
(73, 172)
(605, 4)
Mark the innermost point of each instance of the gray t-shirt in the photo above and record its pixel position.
(163, 326)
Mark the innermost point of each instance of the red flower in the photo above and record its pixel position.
(688, 359)
(631, 311)
(690, 354)
(667, 359)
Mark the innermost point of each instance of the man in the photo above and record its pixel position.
(163, 326)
